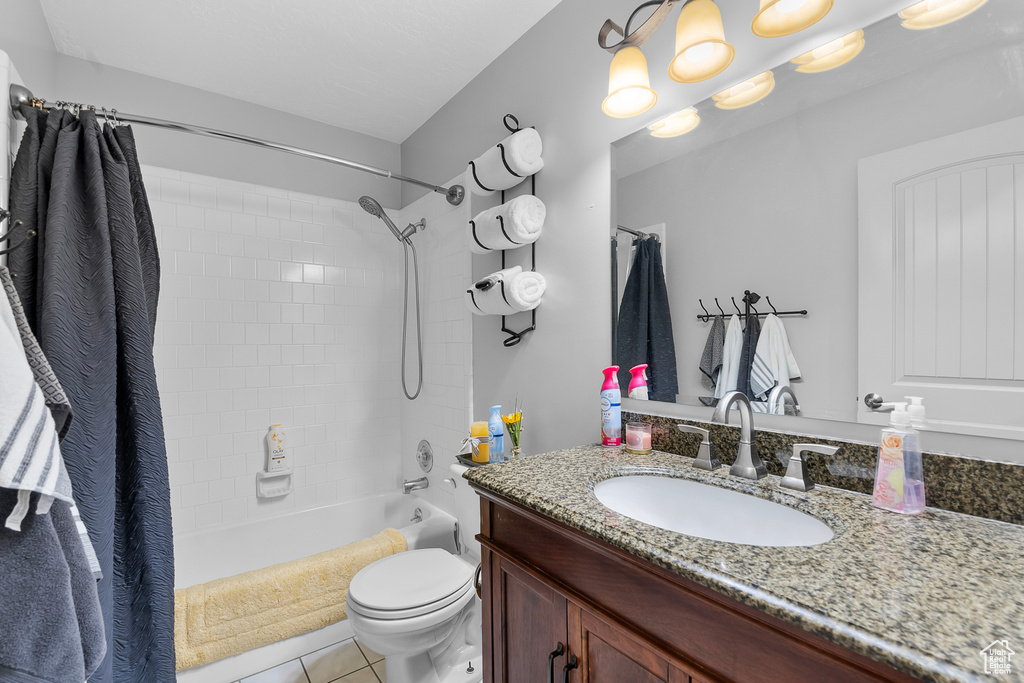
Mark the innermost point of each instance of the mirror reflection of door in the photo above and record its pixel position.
(942, 279)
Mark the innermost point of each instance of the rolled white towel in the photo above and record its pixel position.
(506, 292)
(515, 223)
(522, 158)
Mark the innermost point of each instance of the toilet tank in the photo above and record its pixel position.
(467, 510)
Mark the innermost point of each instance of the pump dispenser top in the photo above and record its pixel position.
(916, 411)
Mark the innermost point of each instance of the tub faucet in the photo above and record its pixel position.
(747, 465)
(411, 485)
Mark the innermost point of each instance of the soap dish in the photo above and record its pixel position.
(273, 484)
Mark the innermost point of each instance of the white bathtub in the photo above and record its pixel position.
(202, 556)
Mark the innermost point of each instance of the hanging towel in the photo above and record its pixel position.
(52, 624)
(732, 350)
(508, 291)
(515, 223)
(645, 324)
(56, 401)
(506, 164)
(29, 453)
(750, 335)
(711, 359)
(772, 359)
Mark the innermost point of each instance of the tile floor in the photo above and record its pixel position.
(344, 662)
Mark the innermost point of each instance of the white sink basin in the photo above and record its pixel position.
(696, 509)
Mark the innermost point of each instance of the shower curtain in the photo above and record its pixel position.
(89, 285)
(645, 324)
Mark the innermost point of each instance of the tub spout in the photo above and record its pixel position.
(411, 485)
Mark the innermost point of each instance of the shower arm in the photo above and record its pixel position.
(19, 95)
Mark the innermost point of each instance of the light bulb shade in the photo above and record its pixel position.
(830, 55)
(677, 124)
(784, 17)
(629, 86)
(701, 50)
(746, 93)
(934, 13)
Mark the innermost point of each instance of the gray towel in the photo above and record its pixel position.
(53, 392)
(52, 626)
(750, 334)
(711, 359)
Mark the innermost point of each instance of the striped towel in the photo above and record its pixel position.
(774, 363)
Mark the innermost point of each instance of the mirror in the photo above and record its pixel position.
(768, 199)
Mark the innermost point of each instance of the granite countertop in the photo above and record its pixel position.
(924, 594)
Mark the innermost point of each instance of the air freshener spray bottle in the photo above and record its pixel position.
(496, 435)
(611, 409)
(638, 383)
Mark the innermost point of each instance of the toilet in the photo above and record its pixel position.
(420, 608)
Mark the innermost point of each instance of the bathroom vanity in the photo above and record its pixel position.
(574, 591)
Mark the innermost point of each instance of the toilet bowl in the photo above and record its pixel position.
(420, 608)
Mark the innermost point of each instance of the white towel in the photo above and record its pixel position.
(731, 352)
(506, 164)
(515, 223)
(506, 292)
(30, 458)
(774, 363)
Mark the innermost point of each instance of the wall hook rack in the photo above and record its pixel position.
(749, 299)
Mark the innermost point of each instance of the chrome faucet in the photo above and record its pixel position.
(778, 395)
(747, 464)
(411, 485)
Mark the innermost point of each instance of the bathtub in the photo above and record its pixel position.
(202, 556)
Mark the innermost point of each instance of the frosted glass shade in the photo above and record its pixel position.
(830, 55)
(784, 17)
(629, 86)
(746, 93)
(933, 13)
(677, 124)
(701, 50)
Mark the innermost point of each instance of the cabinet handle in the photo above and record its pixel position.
(573, 663)
(551, 662)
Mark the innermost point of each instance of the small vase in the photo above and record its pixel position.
(517, 453)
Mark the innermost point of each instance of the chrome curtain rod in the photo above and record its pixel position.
(19, 95)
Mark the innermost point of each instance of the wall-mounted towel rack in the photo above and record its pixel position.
(515, 337)
(749, 299)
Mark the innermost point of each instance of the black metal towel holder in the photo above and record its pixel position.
(749, 299)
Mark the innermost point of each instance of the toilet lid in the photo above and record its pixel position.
(411, 579)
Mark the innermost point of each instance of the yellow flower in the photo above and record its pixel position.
(512, 418)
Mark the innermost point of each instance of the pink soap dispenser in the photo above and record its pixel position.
(638, 384)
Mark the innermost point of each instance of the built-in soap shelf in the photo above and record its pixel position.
(274, 484)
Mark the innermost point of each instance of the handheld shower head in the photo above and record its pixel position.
(373, 207)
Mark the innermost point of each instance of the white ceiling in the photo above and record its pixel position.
(380, 67)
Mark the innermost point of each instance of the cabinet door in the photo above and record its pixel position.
(528, 623)
(610, 654)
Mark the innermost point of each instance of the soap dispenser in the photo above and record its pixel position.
(899, 478)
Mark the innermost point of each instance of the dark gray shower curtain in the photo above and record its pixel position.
(645, 325)
(89, 283)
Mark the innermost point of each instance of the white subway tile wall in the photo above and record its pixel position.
(278, 307)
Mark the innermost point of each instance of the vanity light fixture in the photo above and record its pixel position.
(701, 49)
(784, 17)
(629, 86)
(746, 93)
(934, 13)
(832, 54)
(680, 123)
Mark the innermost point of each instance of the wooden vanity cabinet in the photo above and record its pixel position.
(621, 619)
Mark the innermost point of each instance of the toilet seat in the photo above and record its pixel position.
(410, 584)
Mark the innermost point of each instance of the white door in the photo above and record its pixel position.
(941, 311)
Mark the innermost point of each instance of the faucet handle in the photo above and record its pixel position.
(706, 459)
(797, 477)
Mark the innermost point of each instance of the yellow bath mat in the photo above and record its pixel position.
(232, 615)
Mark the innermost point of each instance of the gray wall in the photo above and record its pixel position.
(25, 37)
(774, 210)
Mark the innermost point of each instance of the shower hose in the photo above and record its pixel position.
(407, 245)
